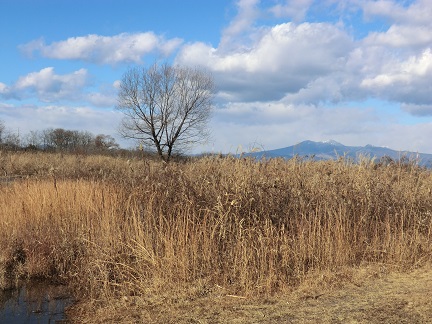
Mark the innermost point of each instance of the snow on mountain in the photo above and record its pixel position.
(332, 142)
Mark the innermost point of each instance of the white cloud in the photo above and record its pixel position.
(293, 9)
(116, 84)
(3, 87)
(38, 117)
(314, 63)
(124, 47)
(241, 25)
(49, 87)
(408, 81)
(410, 25)
(417, 110)
(102, 99)
(46, 85)
(402, 36)
(105, 96)
(259, 113)
(417, 12)
(285, 59)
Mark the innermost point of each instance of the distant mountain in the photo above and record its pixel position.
(332, 150)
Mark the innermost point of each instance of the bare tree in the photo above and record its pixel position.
(105, 142)
(166, 107)
(66, 140)
(11, 139)
(34, 139)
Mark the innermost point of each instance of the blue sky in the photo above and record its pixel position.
(355, 71)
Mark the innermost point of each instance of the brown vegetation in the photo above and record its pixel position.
(126, 230)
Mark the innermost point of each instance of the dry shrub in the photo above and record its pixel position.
(114, 227)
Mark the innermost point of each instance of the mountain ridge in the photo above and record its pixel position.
(330, 150)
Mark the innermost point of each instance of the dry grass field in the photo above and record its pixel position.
(216, 240)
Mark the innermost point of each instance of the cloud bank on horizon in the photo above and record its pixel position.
(355, 71)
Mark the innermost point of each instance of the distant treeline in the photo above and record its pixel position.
(57, 139)
(70, 141)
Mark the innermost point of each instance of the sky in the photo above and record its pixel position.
(355, 71)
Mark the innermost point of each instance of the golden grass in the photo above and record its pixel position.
(112, 227)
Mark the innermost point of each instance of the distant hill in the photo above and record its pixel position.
(332, 150)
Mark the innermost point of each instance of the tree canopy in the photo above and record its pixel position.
(166, 107)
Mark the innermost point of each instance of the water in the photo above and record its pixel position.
(34, 303)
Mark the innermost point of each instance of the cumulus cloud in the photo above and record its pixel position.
(408, 81)
(315, 63)
(260, 113)
(283, 60)
(241, 27)
(124, 47)
(293, 9)
(46, 85)
(304, 63)
(417, 12)
(49, 87)
(402, 37)
(410, 25)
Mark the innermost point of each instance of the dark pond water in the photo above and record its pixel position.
(34, 303)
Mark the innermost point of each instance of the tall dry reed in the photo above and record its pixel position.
(114, 227)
